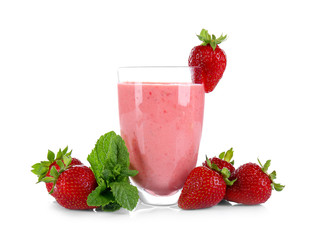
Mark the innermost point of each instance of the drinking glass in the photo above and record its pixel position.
(161, 116)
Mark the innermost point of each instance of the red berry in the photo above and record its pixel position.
(73, 187)
(49, 185)
(203, 188)
(253, 185)
(210, 58)
(66, 178)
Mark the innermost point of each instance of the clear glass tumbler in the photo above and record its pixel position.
(161, 116)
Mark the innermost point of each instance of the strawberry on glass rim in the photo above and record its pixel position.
(210, 58)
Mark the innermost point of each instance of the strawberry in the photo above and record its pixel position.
(73, 186)
(210, 58)
(223, 161)
(203, 188)
(67, 179)
(43, 168)
(253, 184)
(74, 162)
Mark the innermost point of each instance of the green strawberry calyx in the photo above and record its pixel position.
(227, 156)
(211, 40)
(275, 186)
(224, 172)
(63, 160)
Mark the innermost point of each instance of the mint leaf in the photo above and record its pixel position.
(113, 206)
(104, 155)
(125, 194)
(108, 175)
(107, 150)
(110, 163)
(96, 165)
(101, 196)
(123, 154)
(128, 173)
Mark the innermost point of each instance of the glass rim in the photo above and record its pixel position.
(157, 74)
(136, 67)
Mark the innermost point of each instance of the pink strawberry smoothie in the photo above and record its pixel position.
(161, 124)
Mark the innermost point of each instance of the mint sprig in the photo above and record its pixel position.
(110, 163)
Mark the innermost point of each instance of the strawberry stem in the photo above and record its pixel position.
(227, 156)
(275, 186)
(41, 169)
(225, 173)
(206, 38)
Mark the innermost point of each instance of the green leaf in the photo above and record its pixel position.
(113, 206)
(200, 38)
(225, 172)
(125, 194)
(206, 38)
(215, 167)
(272, 175)
(65, 150)
(67, 160)
(104, 154)
(208, 162)
(96, 165)
(266, 166)
(109, 151)
(204, 35)
(110, 163)
(278, 187)
(48, 179)
(40, 168)
(107, 175)
(51, 156)
(228, 182)
(59, 154)
(228, 155)
(221, 155)
(69, 153)
(221, 39)
(101, 196)
(111, 155)
(128, 172)
(117, 169)
(123, 154)
(60, 164)
(54, 173)
(213, 44)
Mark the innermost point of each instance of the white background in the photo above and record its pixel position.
(58, 63)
